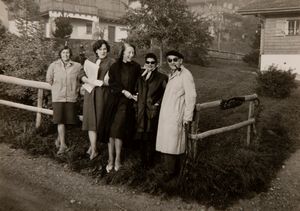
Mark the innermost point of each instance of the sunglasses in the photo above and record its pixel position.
(150, 62)
(172, 60)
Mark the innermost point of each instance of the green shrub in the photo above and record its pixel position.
(275, 82)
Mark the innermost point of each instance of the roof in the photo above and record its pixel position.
(270, 7)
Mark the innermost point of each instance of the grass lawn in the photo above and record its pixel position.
(225, 169)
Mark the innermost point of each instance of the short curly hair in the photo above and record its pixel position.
(65, 48)
(152, 56)
(98, 45)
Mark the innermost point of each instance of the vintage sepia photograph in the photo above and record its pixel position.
(152, 105)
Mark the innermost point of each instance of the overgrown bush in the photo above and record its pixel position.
(276, 82)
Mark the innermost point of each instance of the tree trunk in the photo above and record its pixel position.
(161, 47)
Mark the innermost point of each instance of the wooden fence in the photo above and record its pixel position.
(41, 86)
(192, 129)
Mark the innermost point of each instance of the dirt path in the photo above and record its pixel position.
(28, 183)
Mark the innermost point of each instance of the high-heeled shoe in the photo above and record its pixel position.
(109, 167)
(57, 143)
(89, 151)
(93, 155)
(117, 167)
(62, 150)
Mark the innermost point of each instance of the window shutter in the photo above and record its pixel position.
(281, 28)
(286, 28)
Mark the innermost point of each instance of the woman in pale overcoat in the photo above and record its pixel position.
(176, 110)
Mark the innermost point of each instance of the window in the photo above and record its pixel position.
(293, 27)
(89, 28)
(111, 33)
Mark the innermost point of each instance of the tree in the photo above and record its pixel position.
(28, 55)
(166, 23)
(63, 27)
(252, 58)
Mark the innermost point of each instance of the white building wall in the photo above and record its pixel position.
(121, 33)
(4, 14)
(78, 22)
(284, 62)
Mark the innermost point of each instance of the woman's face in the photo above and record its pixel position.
(150, 63)
(128, 54)
(65, 55)
(102, 51)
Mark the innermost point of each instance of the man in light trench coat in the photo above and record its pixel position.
(176, 110)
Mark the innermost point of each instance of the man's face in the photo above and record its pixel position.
(174, 62)
(150, 63)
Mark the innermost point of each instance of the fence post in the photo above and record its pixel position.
(38, 120)
(193, 130)
(250, 115)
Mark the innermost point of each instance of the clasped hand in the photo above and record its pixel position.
(129, 95)
(97, 83)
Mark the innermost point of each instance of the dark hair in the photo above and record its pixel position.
(98, 45)
(151, 55)
(65, 48)
(121, 53)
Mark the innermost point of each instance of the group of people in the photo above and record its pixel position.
(127, 102)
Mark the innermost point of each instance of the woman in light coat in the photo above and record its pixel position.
(62, 75)
(176, 110)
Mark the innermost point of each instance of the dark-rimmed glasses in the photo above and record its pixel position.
(172, 60)
(150, 62)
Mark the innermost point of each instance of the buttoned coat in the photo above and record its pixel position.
(177, 106)
(150, 93)
(64, 80)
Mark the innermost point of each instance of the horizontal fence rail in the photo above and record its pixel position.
(249, 123)
(222, 129)
(217, 103)
(26, 107)
(24, 82)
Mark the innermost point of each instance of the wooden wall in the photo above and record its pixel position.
(276, 39)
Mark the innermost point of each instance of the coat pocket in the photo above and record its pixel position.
(153, 111)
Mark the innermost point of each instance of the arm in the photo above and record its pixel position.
(190, 96)
(50, 74)
(115, 86)
(162, 90)
(83, 77)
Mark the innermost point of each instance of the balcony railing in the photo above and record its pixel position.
(46, 6)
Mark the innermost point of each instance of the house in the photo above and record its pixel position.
(91, 19)
(3, 14)
(280, 32)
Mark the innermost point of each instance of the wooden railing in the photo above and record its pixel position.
(41, 86)
(192, 135)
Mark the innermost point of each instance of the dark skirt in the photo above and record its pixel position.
(94, 108)
(65, 113)
(123, 123)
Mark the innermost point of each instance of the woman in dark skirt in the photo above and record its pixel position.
(95, 101)
(62, 75)
(123, 77)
